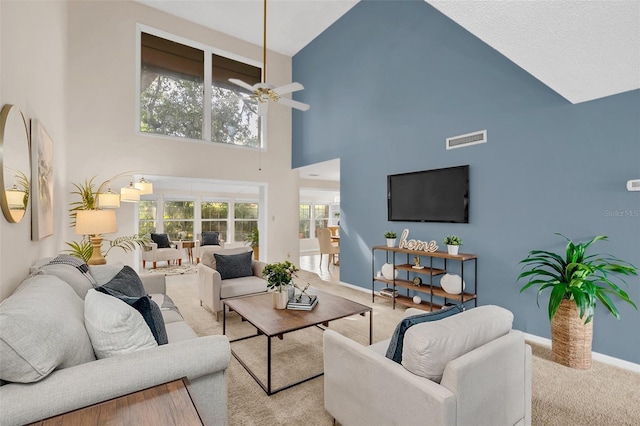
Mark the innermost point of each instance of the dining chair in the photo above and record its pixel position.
(326, 247)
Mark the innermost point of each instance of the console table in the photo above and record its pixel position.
(433, 296)
(166, 404)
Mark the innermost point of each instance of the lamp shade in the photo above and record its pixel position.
(129, 194)
(144, 186)
(108, 200)
(94, 222)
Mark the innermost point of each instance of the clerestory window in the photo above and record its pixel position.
(178, 80)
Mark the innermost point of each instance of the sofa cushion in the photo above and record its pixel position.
(41, 329)
(242, 286)
(234, 265)
(394, 351)
(70, 269)
(114, 327)
(429, 346)
(162, 240)
(170, 312)
(179, 331)
(210, 238)
(126, 286)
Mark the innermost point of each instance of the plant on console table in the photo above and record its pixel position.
(577, 282)
(279, 278)
(391, 238)
(453, 243)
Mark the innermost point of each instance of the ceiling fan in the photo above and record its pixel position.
(263, 92)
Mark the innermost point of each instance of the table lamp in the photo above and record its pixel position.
(94, 223)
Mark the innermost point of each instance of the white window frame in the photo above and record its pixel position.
(208, 52)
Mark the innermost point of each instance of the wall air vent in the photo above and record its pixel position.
(467, 140)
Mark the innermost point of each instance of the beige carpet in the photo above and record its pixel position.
(602, 396)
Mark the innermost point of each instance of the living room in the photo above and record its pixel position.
(383, 101)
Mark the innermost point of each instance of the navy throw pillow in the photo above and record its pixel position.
(162, 240)
(394, 352)
(234, 265)
(126, 283)
(210, 238)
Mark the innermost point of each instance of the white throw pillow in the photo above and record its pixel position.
(114, 327)
(429, 346)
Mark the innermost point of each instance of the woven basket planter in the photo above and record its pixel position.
(570, 337)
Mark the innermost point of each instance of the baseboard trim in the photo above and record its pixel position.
(596, 356)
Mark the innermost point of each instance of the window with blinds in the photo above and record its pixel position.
(173, 94)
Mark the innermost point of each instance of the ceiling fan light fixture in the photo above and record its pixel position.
(264, 92)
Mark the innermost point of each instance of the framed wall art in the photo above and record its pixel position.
(42, 182)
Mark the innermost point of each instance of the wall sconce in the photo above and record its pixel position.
(94, 223)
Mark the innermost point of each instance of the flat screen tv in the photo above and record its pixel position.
(439, 195)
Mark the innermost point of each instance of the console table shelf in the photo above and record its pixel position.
(433, 296)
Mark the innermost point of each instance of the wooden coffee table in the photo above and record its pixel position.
(259, 312)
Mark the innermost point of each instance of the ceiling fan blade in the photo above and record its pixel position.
(241, 84)
(294, 104)
(288, 88)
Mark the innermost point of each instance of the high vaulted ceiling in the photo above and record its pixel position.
(583, 50)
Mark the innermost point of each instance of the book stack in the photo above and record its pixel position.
(302, 303)
(389, 292)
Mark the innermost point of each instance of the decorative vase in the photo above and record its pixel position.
(417, 300)
(280, 299)
(570, 337)
(389, 272)
(391, 242)
(452, 283)
(452, 249)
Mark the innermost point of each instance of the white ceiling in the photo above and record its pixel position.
(583, 50)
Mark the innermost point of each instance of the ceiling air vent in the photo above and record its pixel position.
(467, 140)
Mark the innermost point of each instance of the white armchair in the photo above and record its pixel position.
(481, 383)
(200, 249)
(151, 253)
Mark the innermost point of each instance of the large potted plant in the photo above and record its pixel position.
(279, 278)
(577, 282)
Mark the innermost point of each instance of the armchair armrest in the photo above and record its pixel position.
(257, 266)
(154, 284)
(362, 386)
(86, 384)
(209, 285)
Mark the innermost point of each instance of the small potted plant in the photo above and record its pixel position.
(279, 279)
(391, 238)
(253, 240)
(453, 243)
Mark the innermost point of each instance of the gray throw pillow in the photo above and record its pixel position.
(210, 238)
(394, 352)
(234, 265)
(72, 270)
(162, 240)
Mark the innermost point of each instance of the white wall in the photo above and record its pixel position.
(33, 76)
(72, 65)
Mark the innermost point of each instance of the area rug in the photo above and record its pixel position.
(172, 270)
(602, 396)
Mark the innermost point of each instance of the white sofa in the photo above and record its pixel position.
(46, 306)
(489, 384)
(213, 290)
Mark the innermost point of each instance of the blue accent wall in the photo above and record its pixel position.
(390, 80)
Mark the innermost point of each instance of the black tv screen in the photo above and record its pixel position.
(439, 195)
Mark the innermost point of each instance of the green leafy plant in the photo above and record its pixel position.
(279, 275)
(390, 234)
(89, 201)
(253, 238)
(452, 240)
(578, 277)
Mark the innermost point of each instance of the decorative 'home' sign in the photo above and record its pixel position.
(416, 244)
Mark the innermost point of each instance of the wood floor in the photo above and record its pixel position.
(326, 272)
